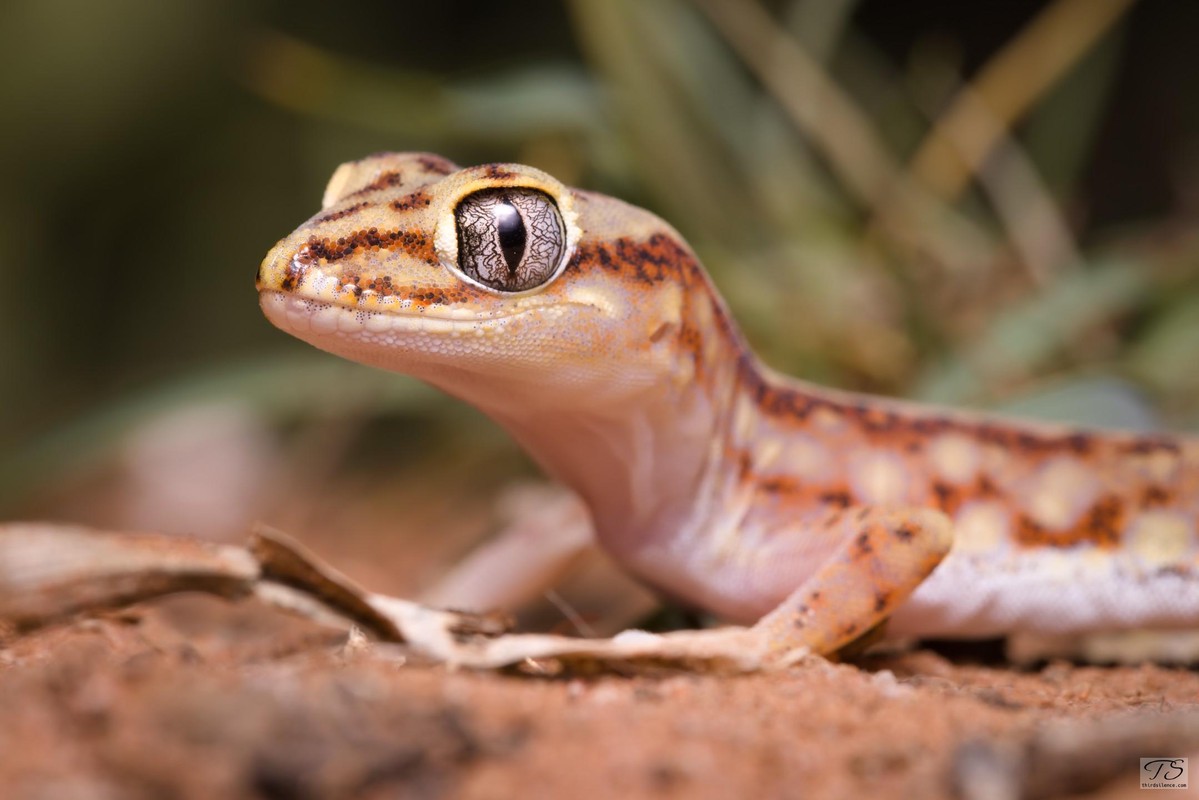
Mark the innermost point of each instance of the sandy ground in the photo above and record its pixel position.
(195, 697)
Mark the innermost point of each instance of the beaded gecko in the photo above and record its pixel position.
(588, 329)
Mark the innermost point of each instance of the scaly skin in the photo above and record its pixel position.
(715, 480)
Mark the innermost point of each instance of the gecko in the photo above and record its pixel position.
(589, 330)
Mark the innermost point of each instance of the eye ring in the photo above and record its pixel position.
(510, 239)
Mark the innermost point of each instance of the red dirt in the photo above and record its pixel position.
(194, 698)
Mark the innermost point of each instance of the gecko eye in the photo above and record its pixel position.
(511, 239)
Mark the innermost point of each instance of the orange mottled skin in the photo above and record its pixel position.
(716, 480)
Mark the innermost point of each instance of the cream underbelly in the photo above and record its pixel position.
(1048, 591)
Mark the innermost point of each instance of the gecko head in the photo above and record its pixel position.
(491, 281)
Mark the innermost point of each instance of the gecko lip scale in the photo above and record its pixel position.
(296, 313)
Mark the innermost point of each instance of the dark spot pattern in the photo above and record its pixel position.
(418, 199)
(650, 261)
(838, 498)
(341, 213)
(1156, 496)
(415, 243)
(497, 172)
(1151, 445)
(745, 466)
(385, 180)
(948, 498)
(1101, 525)
(882, 600)
(436, 165)
(985, 487)
(777, 484)
(296, 270)
(385, 287)
(1105, 520)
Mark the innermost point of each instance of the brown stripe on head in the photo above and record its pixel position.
(435, 164)
(418, 199)
(498, 172)
(415, 243)
(340, 213)
(295, 274)
(384, 173)
(386, 180)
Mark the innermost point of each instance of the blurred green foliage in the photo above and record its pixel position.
(808, 149)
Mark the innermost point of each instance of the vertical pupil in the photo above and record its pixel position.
(512, 234)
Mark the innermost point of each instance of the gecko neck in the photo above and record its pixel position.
(645, 465)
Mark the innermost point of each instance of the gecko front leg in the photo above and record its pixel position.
(878, 559)
(873, 559)
(545, 531)
(882, 559)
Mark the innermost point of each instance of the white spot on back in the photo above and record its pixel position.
(806, 458)
(879, 478)
(766, 453)
(1057, 494)
(828, 420)
(1160, 538)
(981, 526)
(955, 457)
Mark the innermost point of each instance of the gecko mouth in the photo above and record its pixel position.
(298, 314)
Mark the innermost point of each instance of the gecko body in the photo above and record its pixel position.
(588, 329)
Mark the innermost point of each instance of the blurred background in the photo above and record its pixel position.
(990, 204)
